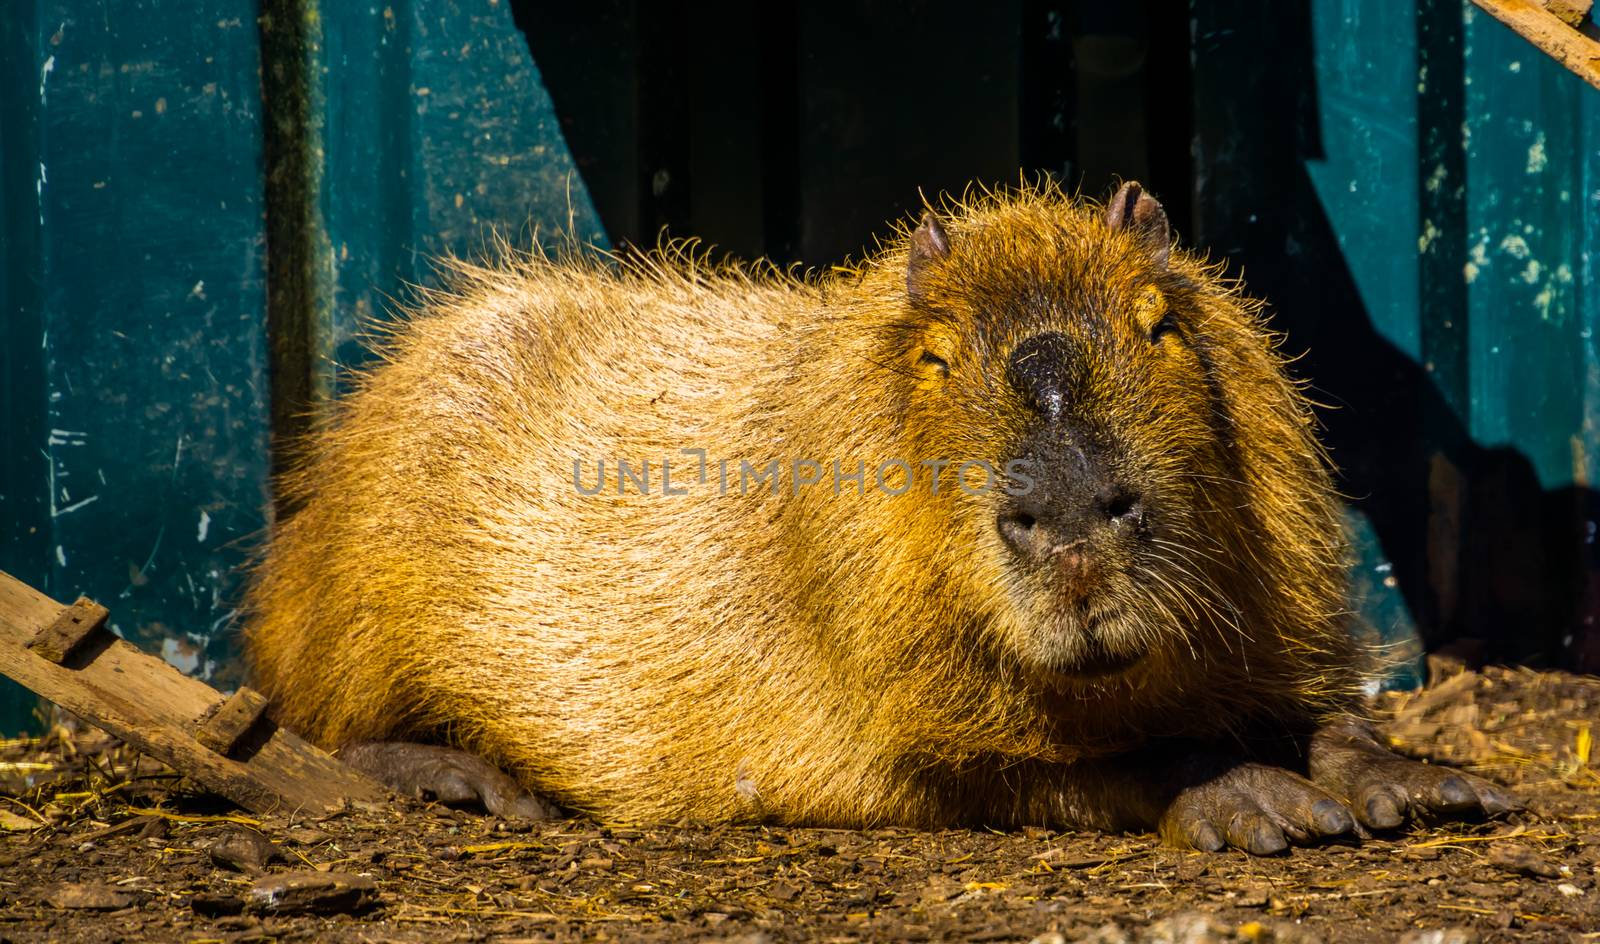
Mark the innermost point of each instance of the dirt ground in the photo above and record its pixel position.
(96, 844)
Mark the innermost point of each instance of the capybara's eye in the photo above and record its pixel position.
(1167, 325)
(930, 359)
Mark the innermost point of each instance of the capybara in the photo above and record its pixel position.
(1017, 521)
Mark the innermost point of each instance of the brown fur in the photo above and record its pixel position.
(815, 658)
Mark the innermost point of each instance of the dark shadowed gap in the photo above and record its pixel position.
(667, 131)
(1441, 108)
(587, 56)
(290, 205)
(1048, 121)
(780, 131)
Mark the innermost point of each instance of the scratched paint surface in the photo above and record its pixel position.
(1365, 174)
(25, 535)
(436, 130)
(133, 364)
(147, 317)
(1532, 142)
(1362, 171)
(1416, 189)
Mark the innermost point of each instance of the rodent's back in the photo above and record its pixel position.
(438, 546)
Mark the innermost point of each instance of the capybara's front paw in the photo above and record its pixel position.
(1254, 807)
(1383, 788)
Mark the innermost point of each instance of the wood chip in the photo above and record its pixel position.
(89, 897)
(312, 892)
(12, 823)
(1520, 860)
(244, 850)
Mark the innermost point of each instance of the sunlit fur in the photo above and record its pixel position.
(815, 658)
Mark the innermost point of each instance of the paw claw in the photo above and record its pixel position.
(446, 775)
(1383, 787)
(1331, 818)
(1206, 838)
(1454, 794)
(1266, 840)
(1382, 812)
(1263, 810)
(1496, 802)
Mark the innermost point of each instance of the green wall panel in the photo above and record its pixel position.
(1532, 142)
(143, 301)
(425, 128)
(1362, 170)
(1412, 186)
(1365, 176)
(24, 521)
(150, 197)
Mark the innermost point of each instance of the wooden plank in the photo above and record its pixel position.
(1547, 31)
(71, 629)
(154, 707)
(224, 729)
(1570, 12)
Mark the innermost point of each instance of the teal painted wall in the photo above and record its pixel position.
(1458, 172)
(139, 354)
(135, 428)
(1366, 177)
(1413, 188)
(1532, 143)
(431, 127)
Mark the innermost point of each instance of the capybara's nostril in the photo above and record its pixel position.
(1017, 530)
(1123, 505)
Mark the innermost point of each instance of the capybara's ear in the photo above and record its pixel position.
(1139, 213)
(928, 245)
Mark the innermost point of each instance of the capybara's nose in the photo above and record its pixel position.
(1037, 527)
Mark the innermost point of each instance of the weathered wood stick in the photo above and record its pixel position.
(227, 745)
(1544, 29)
(1570, 12)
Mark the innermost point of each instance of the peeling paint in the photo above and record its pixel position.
(1436, 178)
(58, 512)
(1542, 302)
(1429, 234)
(67, 437)
(1515, 245)
(1537, 159)
(44, 77)
(180, 654)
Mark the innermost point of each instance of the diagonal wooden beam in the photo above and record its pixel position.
(1544, 29)
(227, 745)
